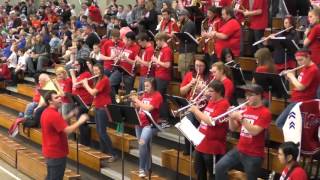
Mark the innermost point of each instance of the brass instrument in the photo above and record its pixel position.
(184, 110)
(207, 43)
(125, 98)
(224, 117)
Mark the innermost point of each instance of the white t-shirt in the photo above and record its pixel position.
(12, 60)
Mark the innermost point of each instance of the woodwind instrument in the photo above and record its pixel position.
(207, 44)
(92, 77)
(291, 70)
(276, 34)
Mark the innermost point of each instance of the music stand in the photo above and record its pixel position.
(238, 77)
(289, 45)
(123, 114)
(181, 102)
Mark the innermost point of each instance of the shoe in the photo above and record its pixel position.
(112, 159)
(142, 173)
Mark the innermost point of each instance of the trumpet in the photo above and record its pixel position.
(291, 70)
(92, 77)
(223, 117)
(184, 110)
(125, 98)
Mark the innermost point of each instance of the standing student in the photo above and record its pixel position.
(54, 130)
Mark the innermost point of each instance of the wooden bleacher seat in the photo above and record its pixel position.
(9, 150)
(26, 89)
(169, 160)
(13, 102)
(134, 175)
(33, 165)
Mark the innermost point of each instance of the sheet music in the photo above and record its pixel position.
(151, 118)
(189, 131)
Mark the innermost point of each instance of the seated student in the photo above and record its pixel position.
(21, 65)
(287, 154)
(12, 60)
(4, 72)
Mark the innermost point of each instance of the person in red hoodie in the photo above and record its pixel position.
(5, 73)
(253, 122)
(95, 14)
(287, 154)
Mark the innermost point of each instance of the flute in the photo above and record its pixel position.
(291, 70)
(92, 77)
(264, 39)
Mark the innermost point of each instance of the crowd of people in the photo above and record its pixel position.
(102, 52)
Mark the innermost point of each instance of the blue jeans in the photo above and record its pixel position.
(107, 72)
(29, 109)
(281, 119)
(101, 119)
(233, 158)
(141, 83)
(144, 135)
(55, 168)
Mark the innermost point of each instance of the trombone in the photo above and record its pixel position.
(183, 111)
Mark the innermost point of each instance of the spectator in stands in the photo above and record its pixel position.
(95, 14)
(4, 71)
(137, 14)
(150, 101)
(101, 92)
(253, 121)
(150, 19)
(121, 14)
(91, 37)
(287, 154)
(55, 43)
(129, 14)
(304, 86)
(21, 65)
(124, 28)
(73, 10)
(54, 135)
(83, 50)
(39, 55)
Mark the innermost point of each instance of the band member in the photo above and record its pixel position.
(146, 65)
(125, 64)
(312, 35)
(265, 63)
(193, 82)
(228, 35)
(111, 49)
(64, 84)
(162, 75)
(167, 25)
(304, 86)
(79, 73)
(54, 130)
(256, 12)
(150, 101)
(288, 153)
(213, 146)
(283, 56)
(221, 73)
(101, 92)
(186, 49)
(253, 121)
(221, 3)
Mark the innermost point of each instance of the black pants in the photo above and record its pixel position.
(203, 164)
(162, 87)
(56, 168)
(85, 131)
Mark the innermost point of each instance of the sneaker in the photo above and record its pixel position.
(112, 159)
(142, 173)
(21, 114)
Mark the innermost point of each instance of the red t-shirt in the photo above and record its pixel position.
(215, 136)
(146, 56)
(54, 140)
(298, 173)
(186, 80)
(5, 72)
(103, 96)
(232, 29)
(130, 52)
(314, 46)
(169, 26)
(95, 14)
(249, 144)
(66, 86)
(221, 3)
(81, 91)
(110, 49)
(259, 22)
(155, 99)
(36, 97)
(310, 78)
(229, 88)
(165, 56)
